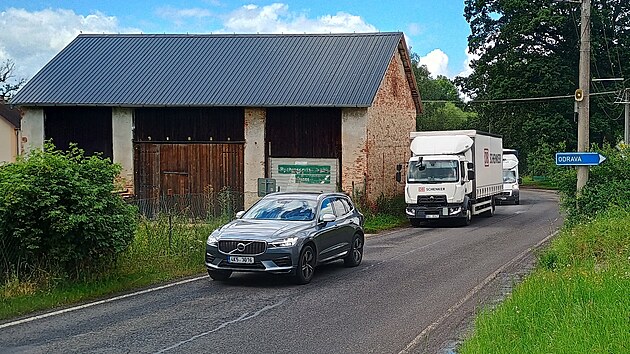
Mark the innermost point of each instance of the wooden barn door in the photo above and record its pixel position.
(187, 169)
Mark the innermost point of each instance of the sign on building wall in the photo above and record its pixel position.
(305, 175)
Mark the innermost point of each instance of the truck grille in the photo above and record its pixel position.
(432, 199)
(242, 247)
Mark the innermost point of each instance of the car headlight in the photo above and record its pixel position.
(212, 240)
(285, 242)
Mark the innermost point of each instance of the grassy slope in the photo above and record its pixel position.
(577, 301)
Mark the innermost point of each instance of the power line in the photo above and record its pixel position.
(526, 99)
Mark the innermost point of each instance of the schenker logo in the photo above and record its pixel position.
(423, 189)
(489, 158)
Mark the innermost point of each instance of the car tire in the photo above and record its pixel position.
(219, 275)
(355, 255)
(415, 222)
(306, 265)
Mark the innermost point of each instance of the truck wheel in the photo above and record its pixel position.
(415, 222)
(465, 221)
(517, 201)
(490, 212)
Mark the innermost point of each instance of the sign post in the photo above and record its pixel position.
(579, 158)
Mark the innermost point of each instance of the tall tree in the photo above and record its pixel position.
(530, 48)
(445, 115)
(8, 84)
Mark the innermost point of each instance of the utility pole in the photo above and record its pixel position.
(585, 85)
(626, 126)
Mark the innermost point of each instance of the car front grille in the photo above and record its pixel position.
(432, 199)
(242, 247)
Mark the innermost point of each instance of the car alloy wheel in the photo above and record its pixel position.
(306, 265)
(356, 252)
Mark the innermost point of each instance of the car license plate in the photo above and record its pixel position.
(432, 216)
(241, 260)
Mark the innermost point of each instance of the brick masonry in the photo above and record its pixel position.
(390, 119)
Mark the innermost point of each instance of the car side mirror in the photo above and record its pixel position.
(326, 218)
(240, 214)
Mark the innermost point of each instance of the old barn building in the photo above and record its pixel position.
(186, 113)
(9, 132)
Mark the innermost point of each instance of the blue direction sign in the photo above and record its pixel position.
(579, 158)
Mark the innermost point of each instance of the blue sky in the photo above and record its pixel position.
(32, 32)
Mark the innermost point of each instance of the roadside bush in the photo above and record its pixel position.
(58, 212)
(608, 185)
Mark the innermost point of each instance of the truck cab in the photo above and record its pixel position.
(511, 178)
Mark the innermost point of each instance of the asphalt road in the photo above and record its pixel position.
(414, 292)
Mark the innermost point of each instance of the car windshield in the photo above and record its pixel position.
(509, 176)
(436, 171)
(282, 209)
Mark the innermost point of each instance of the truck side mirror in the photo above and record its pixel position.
(399, 167)
(520, 180)
(471, 165)
(398, 176)
(471, 175)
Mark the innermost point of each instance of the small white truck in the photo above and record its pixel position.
(511, 178)
(452, 175)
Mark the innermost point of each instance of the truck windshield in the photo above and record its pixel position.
(437, 171)
(509, 176)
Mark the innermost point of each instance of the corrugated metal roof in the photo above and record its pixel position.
(318, 70)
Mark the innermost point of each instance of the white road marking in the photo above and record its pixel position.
(100, 302)
(416, 341)
(243, 317)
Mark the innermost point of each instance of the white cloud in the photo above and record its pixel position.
(414, 29)
(467, 69)
(171, 13)
(436, 61)
(31, 39)
(276, 18)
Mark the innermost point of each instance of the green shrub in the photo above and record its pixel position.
(58, 211)
(608, 185)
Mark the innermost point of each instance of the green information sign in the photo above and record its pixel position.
(307, 174)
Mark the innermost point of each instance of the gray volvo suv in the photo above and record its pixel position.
(288, 233)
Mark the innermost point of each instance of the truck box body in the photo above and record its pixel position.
(453, 174)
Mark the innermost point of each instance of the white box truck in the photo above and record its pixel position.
(511, 178)
(452, 175)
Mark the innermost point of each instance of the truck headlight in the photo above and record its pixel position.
(515, 187)
(454, 211)
(285, 242)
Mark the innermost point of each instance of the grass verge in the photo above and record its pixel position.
(380, 222)
(156, 255)
(576, 301)
(530, 182)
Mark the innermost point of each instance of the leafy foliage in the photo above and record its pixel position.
(446, 115)
(608, 185)
(57, 209)
(530, 48)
